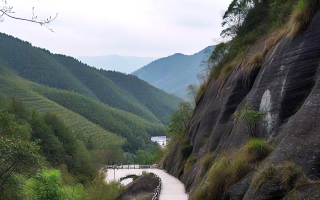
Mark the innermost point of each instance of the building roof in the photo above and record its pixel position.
(159, 138)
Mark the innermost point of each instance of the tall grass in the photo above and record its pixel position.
(190, 162)
(258, 149)
(290, 175)
(228, 168)
(300, 18)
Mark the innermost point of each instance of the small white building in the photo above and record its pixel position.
(161, 140)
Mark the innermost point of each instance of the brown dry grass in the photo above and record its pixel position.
(301, 16)
(290, 174)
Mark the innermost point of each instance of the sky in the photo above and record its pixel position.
(145, 28)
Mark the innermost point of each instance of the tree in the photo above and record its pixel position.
(179, 120)
(7, 11)
(46, 185)
(234, 16)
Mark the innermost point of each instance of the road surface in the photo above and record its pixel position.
(172, 188)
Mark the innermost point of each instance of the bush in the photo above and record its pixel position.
(258, 149)
(46, 185)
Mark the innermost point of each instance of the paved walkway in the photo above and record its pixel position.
(172, 188)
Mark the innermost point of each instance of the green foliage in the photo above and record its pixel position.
(224, 173)
(45, 185)
(234, 16)
(258, 149)
(132, 127)
(249, 115)
(247, 21)
(256, 60)
(301, 15)
(157, 101)
(179, 120)
(117, 90)
(98, 189)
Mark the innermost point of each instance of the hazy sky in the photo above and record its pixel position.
(126, 27)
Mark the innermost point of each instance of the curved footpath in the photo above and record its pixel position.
(172, 188)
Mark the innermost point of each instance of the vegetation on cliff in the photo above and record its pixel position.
(237, 126)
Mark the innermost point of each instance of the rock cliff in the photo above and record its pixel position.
(286, 87)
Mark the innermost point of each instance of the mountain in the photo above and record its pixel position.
(124, 64)
(64, 120)
(120, 104)
(174, 73)
(254, 133)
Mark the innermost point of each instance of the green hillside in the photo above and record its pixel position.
(63, 72)
(13, 86)
(174, 73)
(156, 100)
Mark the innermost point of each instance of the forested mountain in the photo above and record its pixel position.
(125, 64)
(174, 73)
(67, 73)
(120, 104)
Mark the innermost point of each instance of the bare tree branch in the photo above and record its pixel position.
(8, 11)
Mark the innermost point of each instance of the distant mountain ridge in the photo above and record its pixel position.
(174, 73)
(124, 64)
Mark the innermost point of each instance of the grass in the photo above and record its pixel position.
(300, 18)
(206, 162)
(190, 162)
(258, 149)
(226, 169)
(222, 175)
(290, 174)
(256, 60)
(266, 174)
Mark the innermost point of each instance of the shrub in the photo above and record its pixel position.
(249, 115)
(251, 118)
(258, 149)
(45, 185)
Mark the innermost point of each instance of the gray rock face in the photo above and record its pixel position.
(287, 88)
